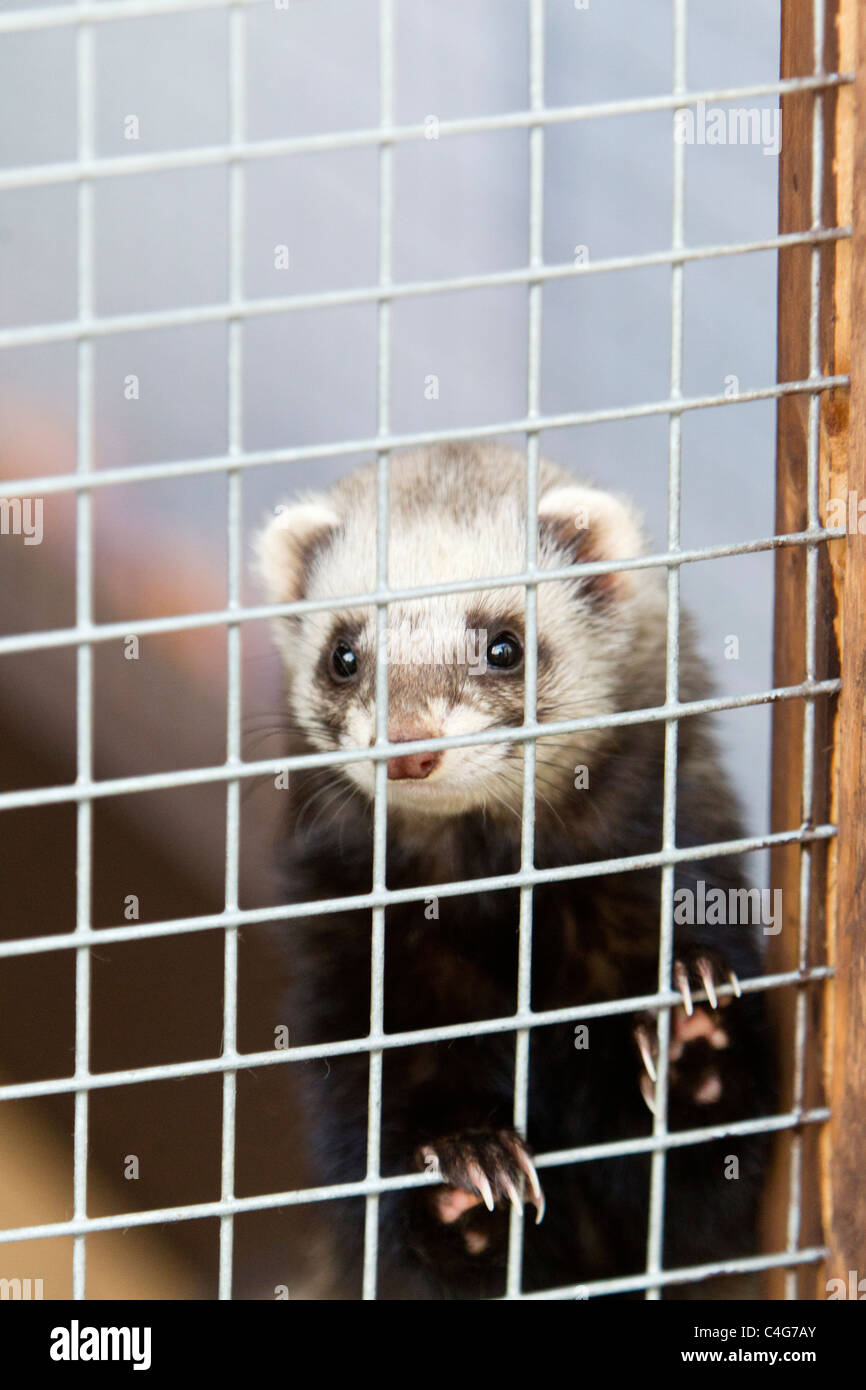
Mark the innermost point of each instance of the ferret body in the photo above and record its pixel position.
(458, 513)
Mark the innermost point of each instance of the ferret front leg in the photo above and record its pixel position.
(451, 1106)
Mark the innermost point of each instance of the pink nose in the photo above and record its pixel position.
(414, 765)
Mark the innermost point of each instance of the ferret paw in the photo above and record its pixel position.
(480, 1165)
(697, 1032)
(700, 968)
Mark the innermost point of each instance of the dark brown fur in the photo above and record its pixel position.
(595, 939)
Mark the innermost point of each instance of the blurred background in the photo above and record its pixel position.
(309, 377)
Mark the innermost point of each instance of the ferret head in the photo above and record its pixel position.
(456, 661)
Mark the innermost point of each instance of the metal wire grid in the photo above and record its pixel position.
(87, 326)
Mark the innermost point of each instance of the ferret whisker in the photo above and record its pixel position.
(501, 801)
(322, 791)
(254, 784)
(517, 786)
(342, 796)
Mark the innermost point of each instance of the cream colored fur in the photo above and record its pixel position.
(459, 513)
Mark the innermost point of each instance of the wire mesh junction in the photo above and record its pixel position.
(84, 171)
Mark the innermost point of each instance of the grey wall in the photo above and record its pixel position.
(460, 207)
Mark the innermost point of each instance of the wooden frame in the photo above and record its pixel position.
(832, 1193)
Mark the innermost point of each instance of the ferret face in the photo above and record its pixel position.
(456, 663)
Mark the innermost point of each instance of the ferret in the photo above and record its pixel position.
(456, 665)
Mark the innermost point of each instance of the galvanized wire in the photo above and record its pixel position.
(86, 169)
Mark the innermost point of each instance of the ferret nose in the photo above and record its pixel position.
(414, 765)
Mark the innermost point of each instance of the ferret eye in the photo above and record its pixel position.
(344, 662)
(504, 652)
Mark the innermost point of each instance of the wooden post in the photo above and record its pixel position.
(843, 1155)
(837, 620)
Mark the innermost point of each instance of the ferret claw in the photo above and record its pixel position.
(736, 984)
(481, 1183)
(529, 1169)
(648, 1092)
(681, 982)
(486, 1167)
(706, 974)
(643, 1042)
(513, 1194)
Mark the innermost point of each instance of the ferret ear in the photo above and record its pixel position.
(286, 546)
(584, 524)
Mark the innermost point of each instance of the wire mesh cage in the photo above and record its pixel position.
(814, 790)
